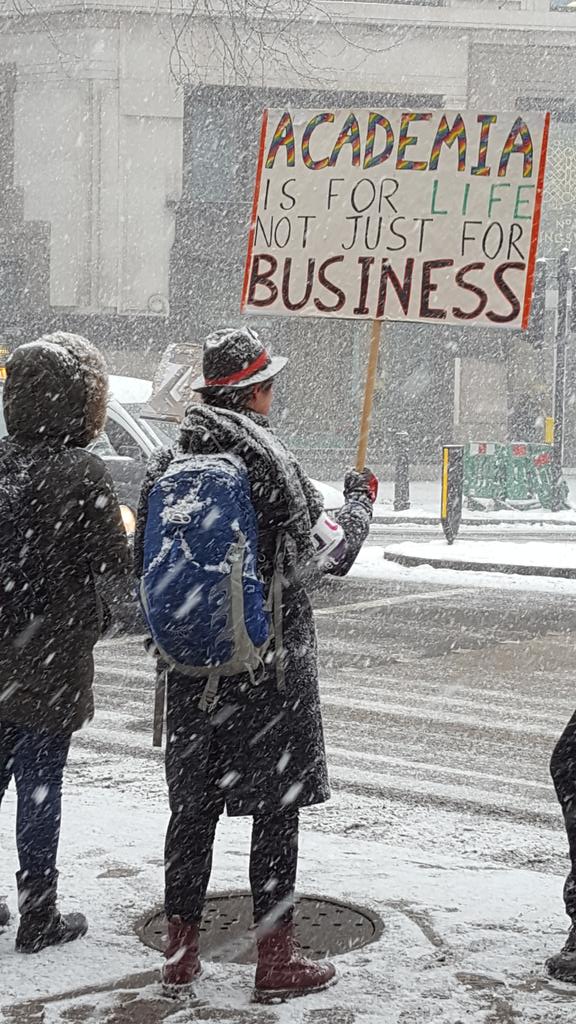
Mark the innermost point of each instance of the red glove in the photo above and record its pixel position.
(364, 483)
(372, 482)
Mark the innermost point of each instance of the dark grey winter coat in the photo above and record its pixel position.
(55, 403)
(260, 749)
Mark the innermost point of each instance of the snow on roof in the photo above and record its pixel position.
(130, 390)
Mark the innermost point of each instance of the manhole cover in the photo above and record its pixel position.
(324, 927)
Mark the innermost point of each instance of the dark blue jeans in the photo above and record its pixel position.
(36, 760)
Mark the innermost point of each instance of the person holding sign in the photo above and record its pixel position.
(249, 741)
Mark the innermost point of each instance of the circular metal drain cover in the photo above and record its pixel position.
(324, 927)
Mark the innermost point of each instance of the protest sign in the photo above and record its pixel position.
(428, 216)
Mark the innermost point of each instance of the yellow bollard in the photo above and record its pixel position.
(549, 430)
(452, 485)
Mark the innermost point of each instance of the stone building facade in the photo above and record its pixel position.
(114, 112)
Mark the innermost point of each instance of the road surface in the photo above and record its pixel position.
(446, 697)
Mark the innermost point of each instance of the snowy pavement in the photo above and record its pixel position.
(372, 565)
(442, 702)
(544, 549)
(527, 557)
(425, 507)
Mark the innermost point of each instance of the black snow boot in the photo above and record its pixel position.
(4, 913)
(563, 965)
(41, 924)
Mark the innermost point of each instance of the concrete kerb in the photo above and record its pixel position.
(412, 561)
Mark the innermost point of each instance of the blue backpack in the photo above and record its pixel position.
(201, 595)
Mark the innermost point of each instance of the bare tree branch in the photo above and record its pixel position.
(18, 9)
(243, 39)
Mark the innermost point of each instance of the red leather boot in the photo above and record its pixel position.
(283, 973)
(182, 958)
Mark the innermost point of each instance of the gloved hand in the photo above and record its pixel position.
(364, 483)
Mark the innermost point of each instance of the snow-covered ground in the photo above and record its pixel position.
(425, 503)
(464, 864)
(371, 565)
(465, 939)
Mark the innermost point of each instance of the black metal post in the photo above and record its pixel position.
(402, 474)
(560, 376)
(536, 333)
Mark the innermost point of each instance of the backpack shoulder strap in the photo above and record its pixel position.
(208, 698)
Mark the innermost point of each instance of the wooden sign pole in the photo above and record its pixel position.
(368, 395)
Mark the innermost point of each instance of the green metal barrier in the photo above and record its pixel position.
(509, 473)
(483, 471)
(542, 462)
(518, 473)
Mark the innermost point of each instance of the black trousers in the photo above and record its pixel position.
(188, 862)
(201, 772)
(563, 770)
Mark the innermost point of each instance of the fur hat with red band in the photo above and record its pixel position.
(234, 357)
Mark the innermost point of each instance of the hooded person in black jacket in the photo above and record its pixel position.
(259, 750)
(59, 512)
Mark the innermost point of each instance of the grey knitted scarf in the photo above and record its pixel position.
(277, 481)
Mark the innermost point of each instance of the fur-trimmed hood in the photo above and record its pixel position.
(56, 390)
